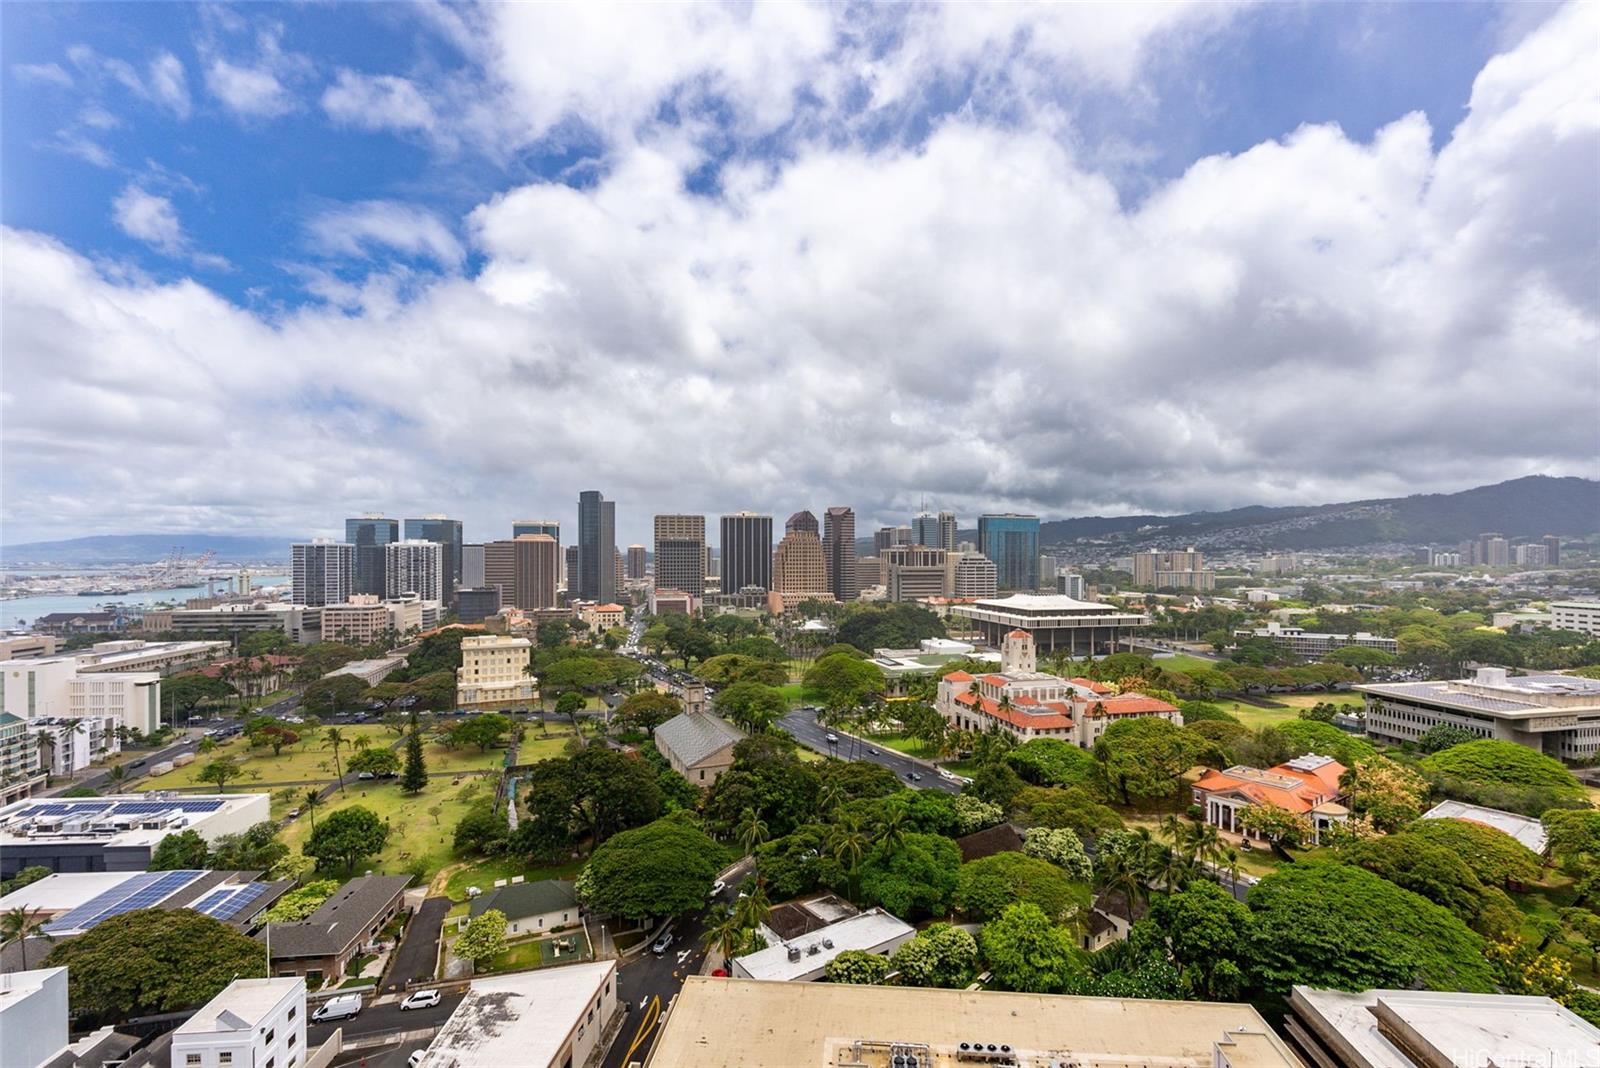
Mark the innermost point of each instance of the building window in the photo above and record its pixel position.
(291, 1041)
(292, 1010)
(225, 1057)
(270, 1036)
(191, 1058)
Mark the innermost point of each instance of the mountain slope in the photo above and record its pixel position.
(144, 548)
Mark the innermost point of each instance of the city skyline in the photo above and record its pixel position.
(845, 273)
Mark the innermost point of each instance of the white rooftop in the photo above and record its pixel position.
(64, 891)
(518, 1019)
(866, 931)
(242, 1005)
(1042, 602)
(1462, 1030)
(1530, 832)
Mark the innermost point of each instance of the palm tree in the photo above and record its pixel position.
(47, 740)
(722, 932)
(1228, 863)
(333, 738)
(19, 925)
(752, 830)
(361, 743)
(753, 907)
(116, 777)
(831, 796)
(310, 802)
(1116, 874)
(847, 843)
(892, 830)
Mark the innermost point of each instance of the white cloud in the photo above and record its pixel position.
(977, 317)
(152, 219)
(250, 92)
(168, 85)
(354, 229)
(43, 73)
(378, 102)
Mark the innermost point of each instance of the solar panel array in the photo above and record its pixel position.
(118, 808)
(237, 901)
(139, 892)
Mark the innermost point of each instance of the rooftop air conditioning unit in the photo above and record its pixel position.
(827, 943)
(794, 953)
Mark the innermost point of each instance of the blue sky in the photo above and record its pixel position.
(320, 177)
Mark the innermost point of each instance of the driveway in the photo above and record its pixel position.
(419, 950)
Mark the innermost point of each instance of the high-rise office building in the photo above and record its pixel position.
(925, 529)
(472, 567)
(548, 527)
(681, 553)
(975, 576)
(636, 563)
(886, 538)
(322, 572)
(524, 570)
(369, 535)
(947, 531)
(839, 549)
(804, 523)
(414, 566)
(447, 534)
(746, 551)
(799, 570)
(912, 572)
(1012, 542)
(597, 548)
(1552, 550)
(569, 569)
(475, 604)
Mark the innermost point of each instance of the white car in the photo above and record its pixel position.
(416, 1057)
(832, 738)
(422, 999)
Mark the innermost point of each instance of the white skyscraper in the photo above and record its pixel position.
(323, 572)
(414, 566)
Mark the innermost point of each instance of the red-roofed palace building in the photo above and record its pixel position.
(1027, 703)
(1306, 786)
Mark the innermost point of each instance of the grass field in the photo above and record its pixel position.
(419, 840)
(306, 760)
(539, 953)
(1254, 716)
(905, 743)
(1258, 861)
(1183, 662)
(483, 874)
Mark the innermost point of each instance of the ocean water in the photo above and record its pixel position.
(18, 614)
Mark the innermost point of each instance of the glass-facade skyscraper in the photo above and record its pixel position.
(447, 534)
(369, 535)
(1011, 541)
(597, 548)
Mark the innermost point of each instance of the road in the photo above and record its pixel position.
(383, 1018)
(802, 723)
(647, 985)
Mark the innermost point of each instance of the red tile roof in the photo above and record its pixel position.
(1133, 704)
(1296, 790)
(1090, 684)
(958, 676)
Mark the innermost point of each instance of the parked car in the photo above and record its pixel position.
(659, 946)
(718, 887)
(422, 999)
(340, 1008)
(416, 1057)
(365, 775)
(833, 739)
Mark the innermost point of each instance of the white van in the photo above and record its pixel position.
(340, 1008)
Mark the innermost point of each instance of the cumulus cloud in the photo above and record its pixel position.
(356, 229)
(152, 219)
(169, 85)
(378, 102)
(975, 316)
(257, 82)
(251, 92)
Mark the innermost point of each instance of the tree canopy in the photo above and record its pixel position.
(1496, 858)
(1027, 951)
(857, 966)
(661, 869)
(914, 879)
(942, 956)
(1334, 925)
(986, 887)
(345, 836)
(647, 710)
(179, 851)
(1310, 736)
(1502, 775)
(1142, 760)
(842, 682)
(152, 960)
(752, 705)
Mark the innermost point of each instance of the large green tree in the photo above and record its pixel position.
(345, 836)
(150, 961)
(178, 851)
(1310, 736)
(1503, 774)
(941, 955)
(730, 668)
(1496, 858)
(647, 710)
(913, 878)
(1423, 867)
(661, 869)
(843, 683)
(326, 697)
(754, 706)
(1334, 925)
(1052, 762)
(1142, 760)
(484, 937)
(1028, 951)
(1206, 931)
(857, 966)
(375, 761)
(986, 887)
(415, 777)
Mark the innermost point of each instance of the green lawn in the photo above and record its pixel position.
(795, 693)
(306, 760)
(538, 953)
(483, 874)
(462, 758)
(417, 837)
(1184, 662)
(1254, 716)
(903, 743)
(1258, 861)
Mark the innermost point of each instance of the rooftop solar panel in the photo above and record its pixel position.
(212, 900)
(81, 916)
(239, 901)
(166, 884)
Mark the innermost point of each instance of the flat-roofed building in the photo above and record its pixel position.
(974, 576)
(71, 903)
(117, 832)
(28, 646)
(671, 602)
(1429, 1029)
(1301, 642)
(325, 572)
(1530, 832)
(1012, 542)
(359, 621)
(1559, 715)
(370, 672)
(302, 623)
(252, 1023)
(474, 605)
(799, 567)
(680, 553)
(746, 551)
(1176, 570)
(417, 567)
(22, 773)
(558, 1017)
(494, 672)
(804, 958)
(525, 570)
(839, 552)
(636, 564)
(734, 1023)
(33, 1017)
(1057, 623)
(1581, 616)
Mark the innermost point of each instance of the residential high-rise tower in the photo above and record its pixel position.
(322, 572)
(414, 566)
